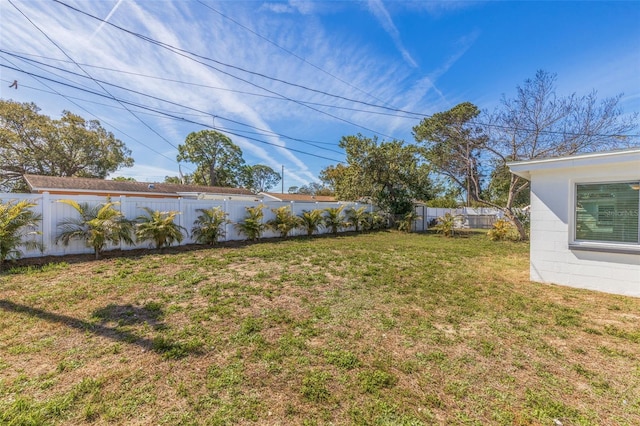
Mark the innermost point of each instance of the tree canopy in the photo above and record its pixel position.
(219, 161)
(32, 143)
(453, 144)
(259, 178)
(389, 173)
(536, 123)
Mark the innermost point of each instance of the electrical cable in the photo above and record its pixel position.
(204, 113)
(93, 115)
(171, 115)
(89, 75)
(414, 115)
(290, 52)
(192, 56)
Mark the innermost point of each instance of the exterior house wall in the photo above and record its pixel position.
(552, 215)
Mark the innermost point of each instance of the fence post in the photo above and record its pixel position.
(180, 217)
(47, 225)
(122, 200)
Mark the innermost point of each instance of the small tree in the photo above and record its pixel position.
(159, 227)
(208, 228)
(357, 217)
(17, 221)
(311, 221)
(446, 225)
(252, 226)
(97, 226)
(333, 219)
(284, 221)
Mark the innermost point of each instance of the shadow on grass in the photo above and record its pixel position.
(122, 315)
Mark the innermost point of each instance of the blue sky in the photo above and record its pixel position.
(293, 77)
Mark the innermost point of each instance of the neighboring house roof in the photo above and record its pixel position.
(299, 198)
(75, 185)
(524, 168)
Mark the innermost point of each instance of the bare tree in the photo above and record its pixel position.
(537, 123)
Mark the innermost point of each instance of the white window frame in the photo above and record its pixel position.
(605, 246)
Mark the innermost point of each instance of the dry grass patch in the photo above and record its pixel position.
(381, 328)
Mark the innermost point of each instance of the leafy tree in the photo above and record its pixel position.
(219, 161)
(284, 221)
(389, 173)
(159, 228)
(252, 226)
(97, 225)
(123, 179)
(357, 217)
(17, 222)
(311, 221)
(314, 188)
(293, 189)
(208, 228)
(259, 178)
(334, 219)
(453, 144)
(536, 124)
(31, 143)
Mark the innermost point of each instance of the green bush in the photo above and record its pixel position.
(17, 221)
(502, 230)
(159, 227)
(252, 226)
(97, 226)
(284, 222)
(208, 228)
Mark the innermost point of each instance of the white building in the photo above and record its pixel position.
(584, 220)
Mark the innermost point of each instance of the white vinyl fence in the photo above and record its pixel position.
(467, 217)
(53, 212)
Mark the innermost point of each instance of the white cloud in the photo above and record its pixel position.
(382, 15)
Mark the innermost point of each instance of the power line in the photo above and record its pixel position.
(185, 53)
(88, 75)
(204, 113)
(396, 113)
(90, 113)
(171, 115)
(290, 52)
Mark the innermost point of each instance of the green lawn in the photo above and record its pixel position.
(373, 329)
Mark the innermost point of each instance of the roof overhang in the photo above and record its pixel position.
(525, 169)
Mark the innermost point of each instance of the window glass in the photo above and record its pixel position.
(608, 212)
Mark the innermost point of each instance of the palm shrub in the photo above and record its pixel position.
(17, 222)
(97, 225)
(375, 221)
(159, 228)
(446, 225)
(208, 228)
(357, 217)
(311, 221)
(252, 226)
(406, 223)
(333, 219)
(284, 221)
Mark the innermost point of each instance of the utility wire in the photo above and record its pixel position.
(88, 112)
(192, 56)
(290, 52)
(414, 115)
(171, 115)
(204, 113)
(89, 75)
